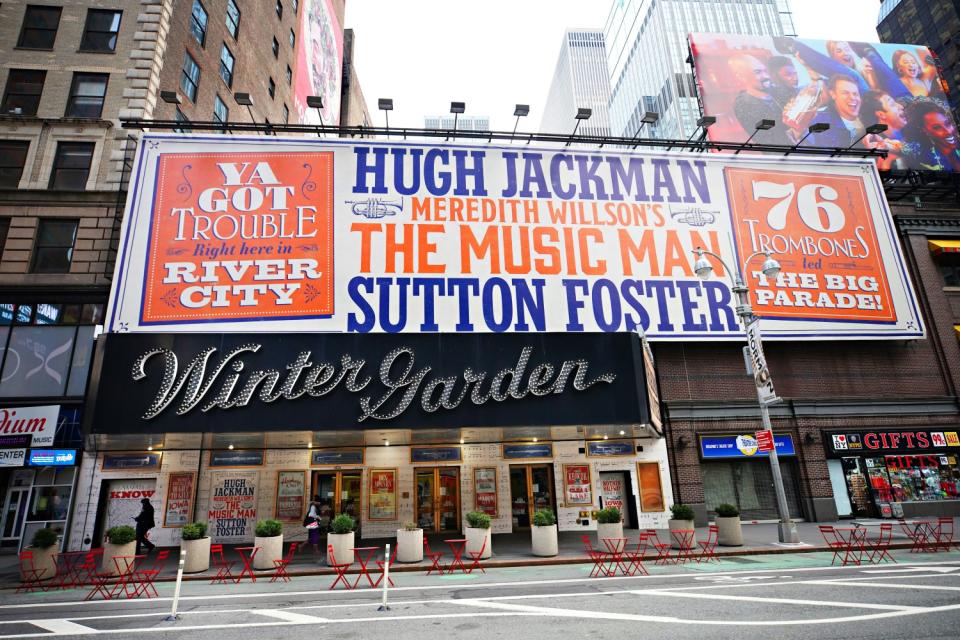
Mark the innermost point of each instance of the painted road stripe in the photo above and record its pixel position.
(884, 585)
(567, 613)
(61, 627)
(816, 603)
(288, 616)
(451, 586)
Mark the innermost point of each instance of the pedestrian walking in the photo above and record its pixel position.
(312, 523)
(144, 524)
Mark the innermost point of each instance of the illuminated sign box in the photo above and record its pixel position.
(52, 458)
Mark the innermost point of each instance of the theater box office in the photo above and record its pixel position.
(389, 429)
(895, 472)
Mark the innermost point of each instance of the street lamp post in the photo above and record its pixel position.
(764, 383)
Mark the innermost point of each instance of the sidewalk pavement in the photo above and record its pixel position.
(514, 550)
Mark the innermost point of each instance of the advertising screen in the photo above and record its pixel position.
(338, 236)
(319, 63)
(848, 86)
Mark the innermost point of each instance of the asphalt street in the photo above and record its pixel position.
(788, 596)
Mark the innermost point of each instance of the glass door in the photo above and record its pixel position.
(438, 499)
(339, 492)
(531, 489)
(13, 512)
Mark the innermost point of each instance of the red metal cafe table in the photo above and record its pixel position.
(364, 554)
(247, 554)
(853, 539)
(457, 546)
(616, 547)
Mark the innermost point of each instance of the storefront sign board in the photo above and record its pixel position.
(577, 485)
(382, 502)
(233, 505)
(40, 423)
(178, 509)
(52, 458)
(485, 490)
(435, 454)
(336, 457)
(523, 451)
(610, 448)
(146, 461)
(742, 446)
(236, 458)
(877, 442)
(12, 457)
(23, 440)
(237, 234)
(291, 496)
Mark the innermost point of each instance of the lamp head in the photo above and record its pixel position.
(170, 97)
(770, 267)
(458, 107)
(385, 104)
(877, 128)
(702, 266)
(583, 113)
(315, 102)
(243, 98)
(766, 125)
(818, 127)
(521, 110)
(650, 117)
(706, 121)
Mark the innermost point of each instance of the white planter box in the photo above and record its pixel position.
(475, 541)
(198, 555)
(44, 561)
(611, 530)
(677, 525)
(270, 549)
(342, 544)
(107, 565)
(544, 540)
(409, 545)
(729, 533)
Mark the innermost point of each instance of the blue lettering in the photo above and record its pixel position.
(354, 290)
(364, 169)
(574, 303)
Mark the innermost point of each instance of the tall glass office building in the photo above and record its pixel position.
(579, 80)
(647, 54)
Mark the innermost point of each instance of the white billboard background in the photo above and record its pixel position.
(577, 277)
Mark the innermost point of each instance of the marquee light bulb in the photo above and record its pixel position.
(230, 447)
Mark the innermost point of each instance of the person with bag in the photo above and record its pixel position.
(312, 523)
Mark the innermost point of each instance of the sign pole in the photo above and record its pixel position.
(176, 591)
(386, 580)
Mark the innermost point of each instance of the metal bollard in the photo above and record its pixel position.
(176, 592)
(386, 580)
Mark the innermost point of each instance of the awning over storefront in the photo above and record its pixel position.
(944, 246)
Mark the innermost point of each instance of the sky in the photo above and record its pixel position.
(496, 53)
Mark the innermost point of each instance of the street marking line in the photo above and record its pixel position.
(817, 603)
(567, 613)
(288, 616)
(62, 627)
(884, 585)
(913, 569)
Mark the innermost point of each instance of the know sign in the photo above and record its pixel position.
(374, 236)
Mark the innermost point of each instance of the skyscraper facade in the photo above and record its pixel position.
(579, 81)
(464, 123)
(647, 53)
(933, 23)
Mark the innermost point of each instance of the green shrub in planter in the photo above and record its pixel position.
(342, 524)
(682, 512)
(411, 526)
(544, 518)
(268, 528)
(610, 515)
(194, 531)
(121, 534)
(727, 511)
(44, 538)
(478, 520)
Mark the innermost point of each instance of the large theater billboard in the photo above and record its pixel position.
(245, 235)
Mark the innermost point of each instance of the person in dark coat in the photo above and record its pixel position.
(144, 524)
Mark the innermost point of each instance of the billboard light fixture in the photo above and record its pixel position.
(816, 127)
(170, 97)
(316, 102)
(763, 125)
(520, 111)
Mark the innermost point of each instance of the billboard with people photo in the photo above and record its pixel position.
(842, 89)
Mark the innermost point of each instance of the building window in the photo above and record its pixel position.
(86, 95)
(198, 22)
(53, 249)
(100, 32)
(286, 114)
(39, 29)
(24, 87)
(293, 39)
(279, 9)
(271, 87)
(233, 18)
(4, 229)
(189, 76)
(226, 65)
(220, 111)
(275, 48)
(179, 116)
(13, 155)
(71, 166)
(289, 75)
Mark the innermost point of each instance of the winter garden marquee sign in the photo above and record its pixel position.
(242, 234)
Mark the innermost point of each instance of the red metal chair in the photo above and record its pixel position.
(475, 556)
(432, 555)
(223, 566)
(31, 578)
(87, 571)
(879, 547)
(708, 548)
(834, 542)
(600, 558)
(341, 569)
(381, 564)
(147, 577)
(684, 540)
(944, 532)
(637, 556)
(662, 548)
(920, 533)
(282, 564)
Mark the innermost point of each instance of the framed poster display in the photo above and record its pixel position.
(382, 495)
(178, 509)
(485, 490)
(651, 491)
(526, 451)
(577, 485)
(232, 512)
(145, 461)
(291, 496)
(610, 448)
(238, 458)
(336, 457)
(435, 454)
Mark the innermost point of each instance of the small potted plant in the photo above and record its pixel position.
(268, 535)
(682, 519)
(409, 543)
(543, 533)
(729, 533)
(478, 534)
(609, 525)
(195, 541)
(120, 540)
(341, 538)
(44, 548)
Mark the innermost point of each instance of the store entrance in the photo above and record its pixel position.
(531, 489)
(14, 511)
(438, 499)
(339, 492)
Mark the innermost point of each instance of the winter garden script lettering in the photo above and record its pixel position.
(224, 384)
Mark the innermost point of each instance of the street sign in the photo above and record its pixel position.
(761, 375)
(764, 440)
